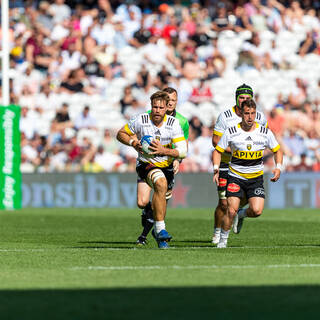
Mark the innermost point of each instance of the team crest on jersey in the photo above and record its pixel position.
(249, 146)
(157, 135)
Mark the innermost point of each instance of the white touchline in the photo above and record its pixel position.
(156, 249)
(175, 267)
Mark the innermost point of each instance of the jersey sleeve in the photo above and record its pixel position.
(131, 126)
(273, 144)
(223, 142)
(220, 126)
(177, 133)
(185, 129)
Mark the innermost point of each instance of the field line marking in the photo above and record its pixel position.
(171, 248)
(190, 267)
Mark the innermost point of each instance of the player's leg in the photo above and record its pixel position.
(143, 202)
(158, 180)
(233, 206)
(221, 209)
(234, 193)
(255, 192)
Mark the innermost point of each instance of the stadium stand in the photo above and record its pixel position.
(95, 53)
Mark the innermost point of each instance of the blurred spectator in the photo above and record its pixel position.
(59, 11)
(220, 21)
(293, 144)
(27, 124)
(196, 125)
(62, 119)
(254, 54)
(134, 109)
(85, 120)
(309, 45)
(242, 21)
(109, 142)
(127, 99)
(76, 83)
(298, 96)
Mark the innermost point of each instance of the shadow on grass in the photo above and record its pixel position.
(276, 302)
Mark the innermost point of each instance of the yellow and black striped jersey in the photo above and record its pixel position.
(169, 133)
(247, 149)
(228, 119)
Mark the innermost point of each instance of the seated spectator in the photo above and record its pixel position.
(253, 54)
(115, 69)
(107, 161)
(163, 77)
(76, 83)
(127, 99)
(220, 21)
(109, 142)
(140, 37)
(196, 125)
(62, 119)
(37, 52)
(134, 109)
(91, 66)
(85, 120)
(143, 79)
(309, 45)
(298, 96)
(242, 22)
(293, 144)
(27, 123)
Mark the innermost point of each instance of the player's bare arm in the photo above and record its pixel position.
(216, 159)
(278, 159)
(130, 140)
(215, 139)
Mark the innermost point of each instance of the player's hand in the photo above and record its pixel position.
(157, 148)
(137, 146)
(176, 164)
(216, 177)
(276, 175)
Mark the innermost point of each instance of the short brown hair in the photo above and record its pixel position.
(170, 90)
(248, 103)
(160, 95)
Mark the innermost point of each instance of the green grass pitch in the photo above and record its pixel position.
(83, 264)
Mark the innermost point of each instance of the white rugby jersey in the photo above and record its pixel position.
(169, 133)
(228, 119)
(247, 150)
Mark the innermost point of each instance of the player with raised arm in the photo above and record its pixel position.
(247, 141)
(143, 189)
(228, 118)
(156, 166)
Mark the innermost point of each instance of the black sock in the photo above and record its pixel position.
(149, 220)
(147, 228)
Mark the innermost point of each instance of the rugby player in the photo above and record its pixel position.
(143, 189)
(228, 118)
(247, 142)
(156, 167)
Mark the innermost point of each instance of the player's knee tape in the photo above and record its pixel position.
(222, 195)
(154, 176)
(168, 194)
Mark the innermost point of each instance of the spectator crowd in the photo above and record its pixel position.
(80, 69)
